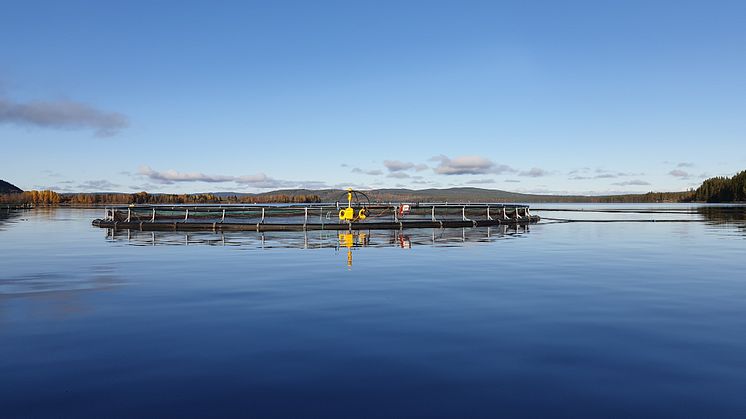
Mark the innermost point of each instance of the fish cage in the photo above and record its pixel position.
(330, 216)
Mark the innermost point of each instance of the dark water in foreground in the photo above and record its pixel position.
(565, 319)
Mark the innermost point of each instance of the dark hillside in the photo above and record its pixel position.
(723, 189)
(6, 187)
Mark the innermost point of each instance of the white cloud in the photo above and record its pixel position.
(259, 180)
(171, 176)
(469, 165)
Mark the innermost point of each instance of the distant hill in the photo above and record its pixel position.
(330, 195)
(422, 195)
(6, 187)
(467, 194)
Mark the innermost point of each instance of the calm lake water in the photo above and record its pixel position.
(561, 319)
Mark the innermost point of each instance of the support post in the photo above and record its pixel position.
(186, 214)
(223, 217)
(152, 219)
(129, 214)
(305, 218)
(432, 215)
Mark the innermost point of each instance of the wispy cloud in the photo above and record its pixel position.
(51, 173)
(480, 181)
(679, 173)
(259, 180)
(62, 114)
(399, 166)
(685, 164)
(56, 188)
(398, 175)
(634, 182)
(586, 173)
(469, 165)
(97, 185)
(580, 170)
(375, 172)
(534, 172)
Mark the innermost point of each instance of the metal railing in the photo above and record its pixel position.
(317, 213)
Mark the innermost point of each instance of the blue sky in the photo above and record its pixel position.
(555, 97)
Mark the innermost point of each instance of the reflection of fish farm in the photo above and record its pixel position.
(336, 216)
(319, 239)
(345, 240)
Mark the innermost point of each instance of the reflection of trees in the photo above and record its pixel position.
(8, 215)
(731, 215)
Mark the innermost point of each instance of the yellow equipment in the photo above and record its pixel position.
(348, 214)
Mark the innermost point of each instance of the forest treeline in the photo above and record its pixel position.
(722, 189)
(717, 189)
(90, 199)
(54, 198)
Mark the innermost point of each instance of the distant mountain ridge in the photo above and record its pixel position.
(6, 187)
(395, 194)
(451, 195)
(463, 194)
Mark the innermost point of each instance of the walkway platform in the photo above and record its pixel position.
(299, 217)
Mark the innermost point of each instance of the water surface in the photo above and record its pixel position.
(559, 319)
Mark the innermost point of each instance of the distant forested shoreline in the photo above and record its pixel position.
(88, 199)
(713, 190)
(722, 189)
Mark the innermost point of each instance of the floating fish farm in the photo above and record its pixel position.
(355, 214)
